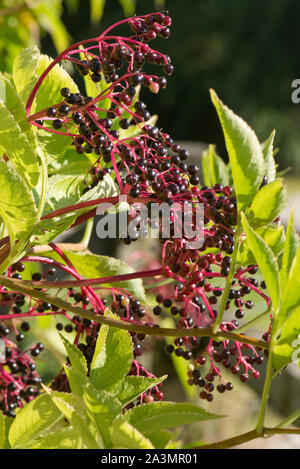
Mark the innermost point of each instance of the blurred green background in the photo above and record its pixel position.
(247, 51)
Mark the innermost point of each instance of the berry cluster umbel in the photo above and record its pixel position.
(150, 168)
(19, 380)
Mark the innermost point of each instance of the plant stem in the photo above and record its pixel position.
(249, 436)
(167, 281)
(90, 203)
(231, 442)
(268, 379)
(67, 246)
(289, 420)
(87, 233)
(20, 286)
(84, 282)
(229, 279)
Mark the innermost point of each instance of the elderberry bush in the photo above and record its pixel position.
(67, 151)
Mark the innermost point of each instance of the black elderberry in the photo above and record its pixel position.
(71, 99)
(82, 67)
(4, 330)
(17, 276)
(134, 192)
(170, 348)
(221, 388)
(157, 310)
(229, 386)
(124, 123)
(63, 109)
(57, 123)
(179, 352)
(25, 326)
(183, 154)
(65, 92)
(96, 77)
(136, 80)
(239, 314)
(167, 303)
(187, 355)
(95, 65)
(35, 352)
(51, 112)
(168, 69)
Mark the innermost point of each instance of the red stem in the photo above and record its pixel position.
(112, 200)
(87, 282)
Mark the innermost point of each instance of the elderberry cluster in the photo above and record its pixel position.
(151, 169)
(19, 380)
(119, 68)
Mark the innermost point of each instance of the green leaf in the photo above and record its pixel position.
(16, 107)
(268, 153)
(2, 430)
(134, 386)
(24, 71)
(102, 408)
(76, 380)
(213, 167)
(267, 204)
(290, 249)
(15, 144)
(244, 151)
(65, 438)
(274, 237)
(291, 294)
(28, 66)
(75, 356)
(97, 8)
(288, 342)
(124, 435)
(49, 229)
(57, 78)
(54, 145)
(112, 358)
(164, 415)
(17, 205)
(63, 191)
(266, 261)
(36, 417)
(5, 424)
(72, 408)
(159, 438)
(71, 163)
